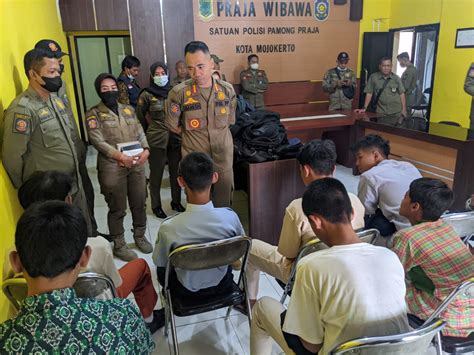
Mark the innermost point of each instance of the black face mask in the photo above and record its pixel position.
(109, 98)
(61, 69)
(52, 84)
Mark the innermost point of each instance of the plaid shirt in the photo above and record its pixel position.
(446, 261)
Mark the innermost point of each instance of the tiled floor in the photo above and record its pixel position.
(207, 333)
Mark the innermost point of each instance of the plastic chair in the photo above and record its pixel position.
(463, 224)
(368, 236)
(454, 345)
(16, 290)
(94, 285)
(200, 257)
(414, 342)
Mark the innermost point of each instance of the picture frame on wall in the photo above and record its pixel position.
(465, 38)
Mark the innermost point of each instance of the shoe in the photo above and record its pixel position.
(177, 207)
(158, 212)
(158, 320)
(143, 244)
(122, 251)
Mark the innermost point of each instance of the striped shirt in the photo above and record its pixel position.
(436, 249)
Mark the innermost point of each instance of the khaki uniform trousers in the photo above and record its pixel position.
(117, 184)
(266, 327)
(157, 160)
(265, 257)
(221, 193)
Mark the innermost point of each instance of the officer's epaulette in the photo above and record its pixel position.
(23, 102)
(224, 84)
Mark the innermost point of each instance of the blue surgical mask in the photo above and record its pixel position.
(160, 80)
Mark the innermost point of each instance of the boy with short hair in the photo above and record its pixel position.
(350, 290)
(383, 183)
(51, 250)
(200, 223)
(434, 257)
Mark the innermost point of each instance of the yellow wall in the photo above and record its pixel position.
(450, 102)
(22, 24)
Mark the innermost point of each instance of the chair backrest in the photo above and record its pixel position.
(93, 285)
(415, 342)
(467, 287)
(463, 223)
(369, 235)
(210, 255)
(16, 290)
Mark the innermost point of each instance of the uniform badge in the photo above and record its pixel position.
(60, 104)
(195, 123)
(21, 123)
(471, 72)
(220, 95)
(92, 122)
(394, 90)
(140, 101)
(191, 101)
(321, 10)
(127, 111)
(259, 73)
(223, 110)
(175, 110)
(206, 9)
(188, 93)
(44, 115)
(53, 47)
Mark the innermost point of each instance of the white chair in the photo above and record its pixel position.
(463, 224)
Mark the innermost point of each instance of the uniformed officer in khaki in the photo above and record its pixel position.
(254, 83)
(217, 66)
(81, 150)
(391, 105)
(201, 110)
(335, 80)
(163, 144)
(408, 79)
(181, 73)
(120, 176)
(37, 131)
(469, 89)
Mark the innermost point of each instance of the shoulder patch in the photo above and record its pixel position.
(175, 110)
(23, 101)
(21, 123)
(471, 73)
(92, 122)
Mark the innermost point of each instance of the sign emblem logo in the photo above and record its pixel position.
(206, 9)
(321, 10)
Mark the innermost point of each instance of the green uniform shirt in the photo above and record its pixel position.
(469, 89)
(37, 137)
(409, 83)
(204, 121)
(254, 83)
(337, 99)
(175, 81)
(157, 133)
(106, 129)
(390, 103)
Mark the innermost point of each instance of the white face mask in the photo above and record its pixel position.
(130, 76)
(254, 66)
(160, 80)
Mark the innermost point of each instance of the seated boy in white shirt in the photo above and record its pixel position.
(383, 183)
(333, 299)
(200, 223)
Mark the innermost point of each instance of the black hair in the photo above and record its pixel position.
(130, 61)
(45, 186)
(373, 141)
(50, 238)
(34, 59)
(156, 65)
(403, 55)
(197, 169)
(320, 155)
(433, 195)
(195, 46)
(251, 56)
(328, 198)
(100, 78)
(383, 59)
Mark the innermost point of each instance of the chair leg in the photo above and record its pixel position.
(227, 315)
(173, 326)
(247, 300)
(283, 296)
(439, 347)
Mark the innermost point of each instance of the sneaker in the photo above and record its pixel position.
(158, 320)
(143, 244)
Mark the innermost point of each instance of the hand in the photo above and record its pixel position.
(360, 110)
(339, 83)
(345, 82)
(404, 113)
(142, 157)
(126, 161)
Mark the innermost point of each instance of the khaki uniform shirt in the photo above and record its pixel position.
(37, 136)
(469, 89)
(106, 129)
(157, 133)
(175, 81)
(204, 123)
(390, 102)
(337, 99)
(254, 84)
(409, 83)
(296, 230)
